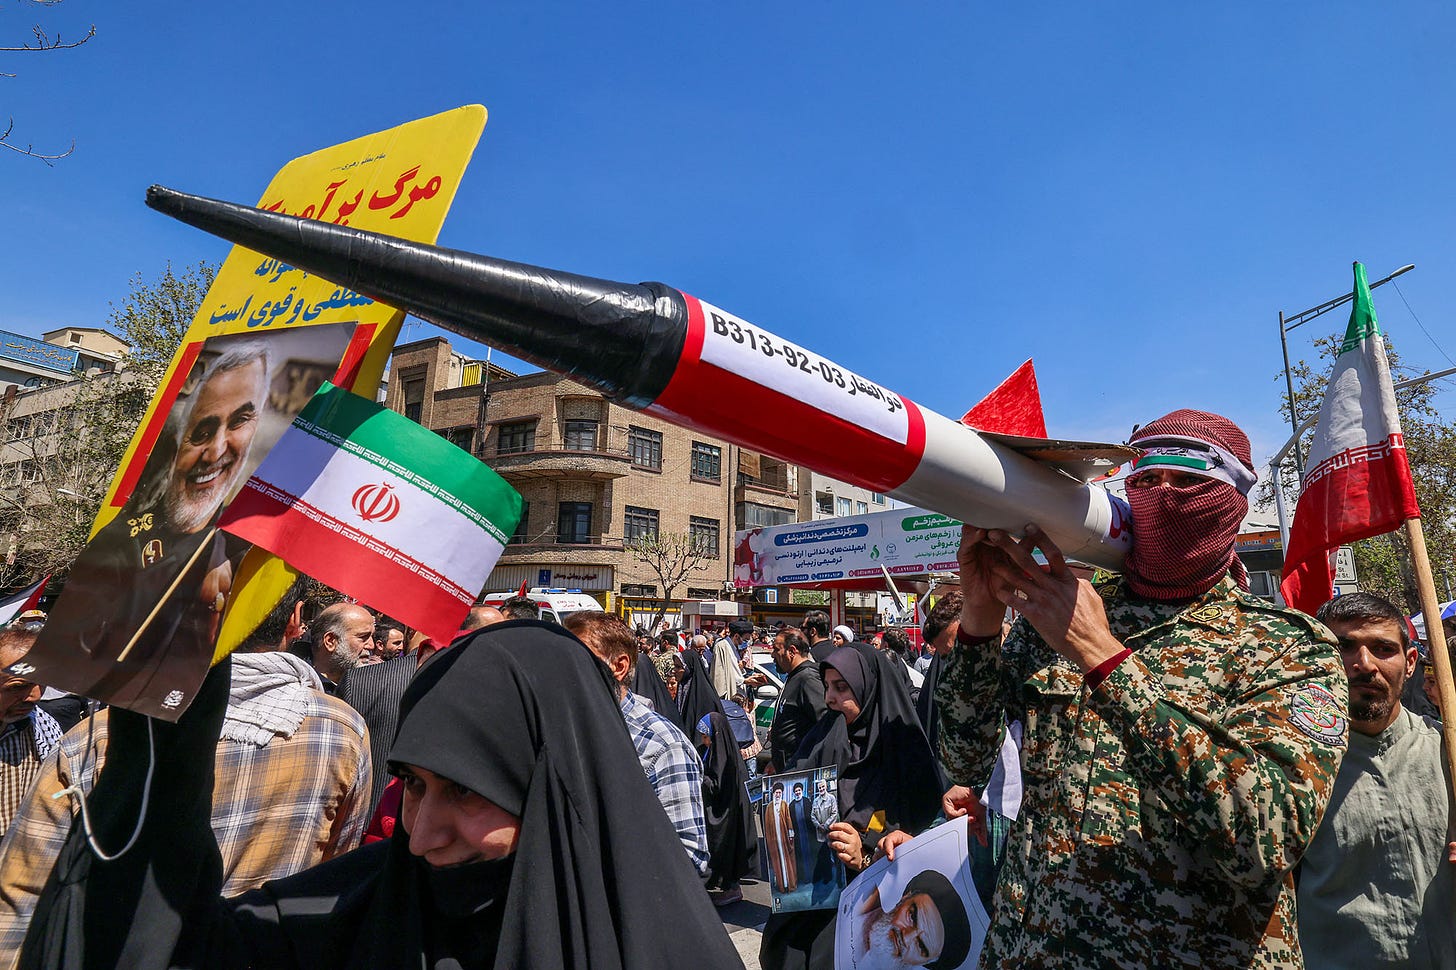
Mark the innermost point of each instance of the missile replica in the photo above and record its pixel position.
(656, 349)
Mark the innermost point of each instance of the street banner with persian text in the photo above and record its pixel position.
(1357, 481)
(905, 541)
(159, 593)
(381, 509)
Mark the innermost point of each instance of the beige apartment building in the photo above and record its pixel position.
(594, 475)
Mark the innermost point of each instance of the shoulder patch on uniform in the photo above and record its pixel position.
(1208, 614)
(1316, 712)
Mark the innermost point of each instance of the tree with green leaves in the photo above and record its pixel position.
(63, 447)
(1383, 563)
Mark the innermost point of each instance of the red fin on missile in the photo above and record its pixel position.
(1013, 408)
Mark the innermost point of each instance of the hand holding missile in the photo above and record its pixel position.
(997, 570)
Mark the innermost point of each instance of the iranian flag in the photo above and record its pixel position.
(1357, 482)
(379, 508)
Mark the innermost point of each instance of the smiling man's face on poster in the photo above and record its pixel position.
(215, 441)
(141, 609)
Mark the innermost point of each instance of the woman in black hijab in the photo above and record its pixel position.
(696, 697)
(728, 811)
(647, 683)
(887, 782)
(529, 838)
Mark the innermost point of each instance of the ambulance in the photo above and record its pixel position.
(556, 604)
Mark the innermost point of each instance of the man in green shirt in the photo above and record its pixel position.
(1376, 886)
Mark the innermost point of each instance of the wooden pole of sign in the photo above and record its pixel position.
(1436, 637)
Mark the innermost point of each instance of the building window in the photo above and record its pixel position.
(877, 498)
(824, 502)
(638, 589)
(461, 437)
(573, 522)
(755, 516)
(842, 506)
(699, 593)
(645, 447)
(523, 528)
(639, 524)
(414, 400)
(860, 508)
(516, 437)
(707, 461)
(580, 436)
(704, 534)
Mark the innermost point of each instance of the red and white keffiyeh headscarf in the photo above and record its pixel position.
(1183, 538)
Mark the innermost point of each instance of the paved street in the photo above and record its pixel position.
(744, 920)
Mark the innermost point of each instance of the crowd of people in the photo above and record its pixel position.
(1159, 769)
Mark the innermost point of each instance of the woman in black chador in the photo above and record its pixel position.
(528, 838)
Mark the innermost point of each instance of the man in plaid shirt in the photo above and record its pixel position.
(292, 790)
(668, 758)
(27, 734)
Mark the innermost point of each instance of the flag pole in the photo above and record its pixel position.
(192, 561)
(1440, 654)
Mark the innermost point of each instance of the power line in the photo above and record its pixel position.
(1422, 325)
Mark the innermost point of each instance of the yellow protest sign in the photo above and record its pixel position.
(159, 592)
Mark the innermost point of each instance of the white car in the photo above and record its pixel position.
(766, 696)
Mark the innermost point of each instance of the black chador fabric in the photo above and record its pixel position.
(729, 813)
(696, 696)
(885, 765)
(520, 713)
(647, 683)
(925, 708)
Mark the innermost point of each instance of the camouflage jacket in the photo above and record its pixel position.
(1164, 810)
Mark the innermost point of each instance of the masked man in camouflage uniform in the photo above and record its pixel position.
(1181, 736)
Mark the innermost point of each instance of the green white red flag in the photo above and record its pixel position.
(379, 508)
(1357, 482)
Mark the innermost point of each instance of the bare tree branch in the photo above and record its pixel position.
(30, 149)
(672, 556)
(44, 43)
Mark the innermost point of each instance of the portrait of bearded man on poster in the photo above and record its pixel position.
(141, 609)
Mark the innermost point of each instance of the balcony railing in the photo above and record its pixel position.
(551, 542)
(597, 463)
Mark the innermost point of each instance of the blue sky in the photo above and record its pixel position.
(927, 193)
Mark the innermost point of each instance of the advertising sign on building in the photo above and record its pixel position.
(28, 350)
(904, 541)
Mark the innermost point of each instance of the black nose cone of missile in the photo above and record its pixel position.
(623, 339)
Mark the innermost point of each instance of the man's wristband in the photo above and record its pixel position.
(1094, 677)
(966, 640)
